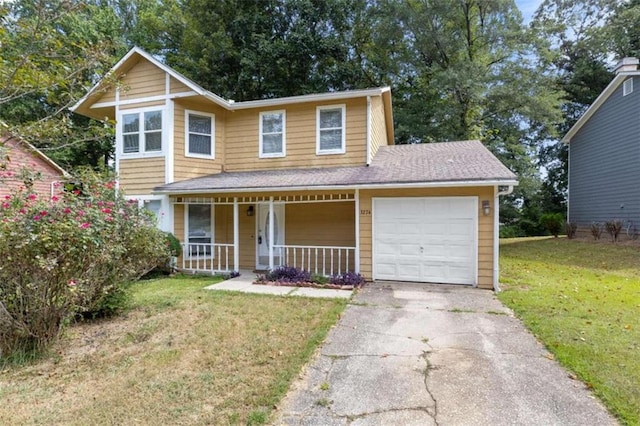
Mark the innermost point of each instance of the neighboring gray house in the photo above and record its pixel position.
(604, 154)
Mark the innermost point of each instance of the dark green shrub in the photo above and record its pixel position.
(175, 248)
(552, 222)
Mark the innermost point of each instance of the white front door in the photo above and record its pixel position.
(262, 234)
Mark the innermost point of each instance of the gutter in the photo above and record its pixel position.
(446, 184)
(496, 234)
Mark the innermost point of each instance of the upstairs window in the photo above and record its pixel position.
(627, 87)
(142, 132)
(272, 134)
(330, 132)
(200, 134)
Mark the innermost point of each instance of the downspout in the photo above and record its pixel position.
(368, 130)
(496, 234)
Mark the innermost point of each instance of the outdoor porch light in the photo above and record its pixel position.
(250, 211)
(486, 208)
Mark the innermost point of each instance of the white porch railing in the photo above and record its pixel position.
(322, 260)
(207, 257)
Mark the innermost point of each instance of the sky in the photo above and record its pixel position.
(528, 8)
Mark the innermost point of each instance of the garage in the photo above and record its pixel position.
(425, 239)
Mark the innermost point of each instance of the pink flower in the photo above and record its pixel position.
(44, 213)
(84, 225)
(7, 197)
(55, 198)
(109, 219)
(80, 213)
(32, 196)
(23, 210)
(5, 205)
(67, 210)
(106, 210)
(72, 283)
(36, 217)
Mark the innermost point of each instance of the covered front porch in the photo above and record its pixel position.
(313, 230)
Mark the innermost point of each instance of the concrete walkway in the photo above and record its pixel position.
(416, 354)
(244, 284)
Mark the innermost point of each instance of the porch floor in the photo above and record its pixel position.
(244, 283)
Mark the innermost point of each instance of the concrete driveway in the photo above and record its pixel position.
(416, 354)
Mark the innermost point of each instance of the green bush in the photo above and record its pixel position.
(552, 222)
(175, 248)
(71, 254)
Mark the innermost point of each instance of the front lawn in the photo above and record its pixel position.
(181, 355)
(582, 300)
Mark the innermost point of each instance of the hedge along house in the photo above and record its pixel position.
(311, 181)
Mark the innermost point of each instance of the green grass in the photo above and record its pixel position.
(180, 355)
(582, 300)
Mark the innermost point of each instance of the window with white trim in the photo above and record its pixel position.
(199, 229)
(330, 132)
(141, 132)
(627, 87)
(199, 134)
(272, 134)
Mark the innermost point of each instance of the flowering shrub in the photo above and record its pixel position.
(69, 254)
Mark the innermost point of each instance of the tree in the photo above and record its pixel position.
(52, 52)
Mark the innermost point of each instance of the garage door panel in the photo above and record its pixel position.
(428, 239)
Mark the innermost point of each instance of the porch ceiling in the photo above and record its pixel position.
(446, 162)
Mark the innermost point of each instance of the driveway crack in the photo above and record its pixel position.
(428, 367)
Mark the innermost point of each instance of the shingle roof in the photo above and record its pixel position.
(444, 162)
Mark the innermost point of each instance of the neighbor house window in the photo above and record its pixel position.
(142, 132)
(272, 134)
(199, 229)
(330, 130)
(627, 87)
(200, 134)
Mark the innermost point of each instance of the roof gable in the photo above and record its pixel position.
(13, 142)
(90, 104)
(600, 100)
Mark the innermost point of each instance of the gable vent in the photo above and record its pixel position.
(627, 87)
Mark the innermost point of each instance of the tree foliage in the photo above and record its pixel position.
(52, 52)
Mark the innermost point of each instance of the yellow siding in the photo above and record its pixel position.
(242, 138)
(485, 225)
(143, 80)
(140, 176)
(190, 167)
(137, 105)
(330, 223)
(108, 96)
(178, 87)
(333, 224)
(378, 125)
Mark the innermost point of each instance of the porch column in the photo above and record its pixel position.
(236, 236)
(356, 199)
(270, 233)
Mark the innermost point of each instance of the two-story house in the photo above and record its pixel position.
(310, 181)
(604, 153)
